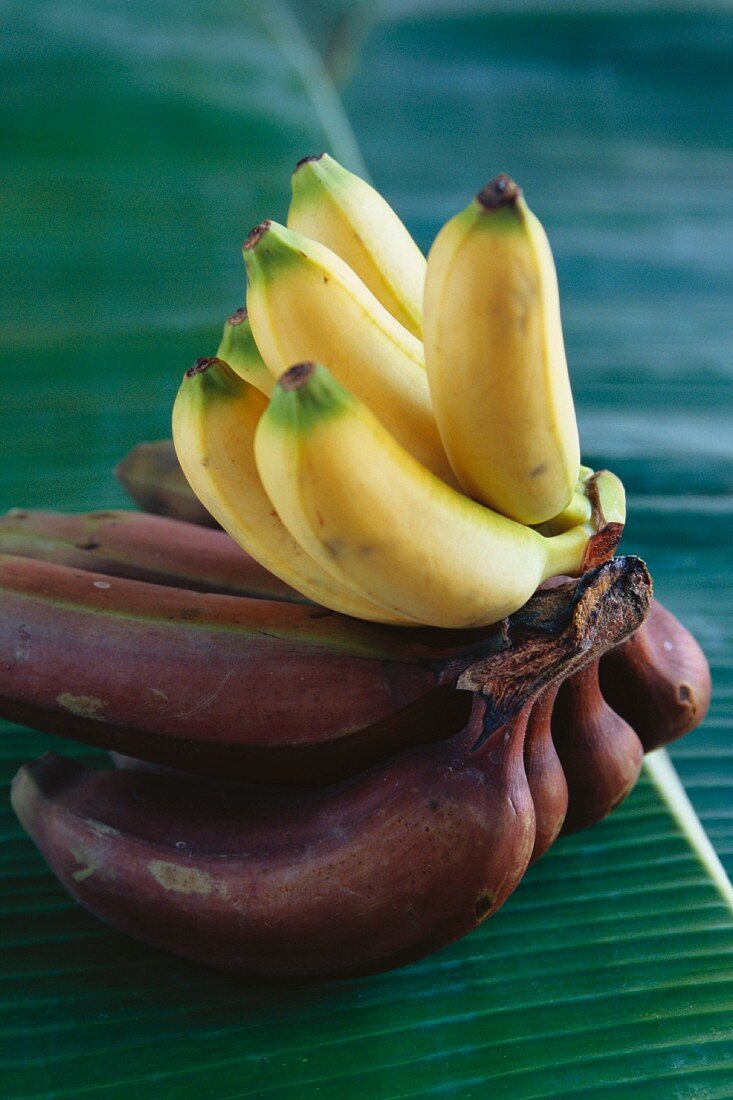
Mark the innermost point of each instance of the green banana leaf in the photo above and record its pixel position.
(145, 140)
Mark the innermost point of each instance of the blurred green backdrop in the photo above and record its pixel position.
(140, 142)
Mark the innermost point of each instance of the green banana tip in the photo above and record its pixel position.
(499, 192)
(201, 365)
(238, 317)
(608, 496)
(305, 395)
(255, 235)
(271, 245)
(296, 376)
(211, 375)
(308, 160)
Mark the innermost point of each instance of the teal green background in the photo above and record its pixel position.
(139, 144)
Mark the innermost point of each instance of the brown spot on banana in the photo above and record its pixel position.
(181, 879)
(84, 706)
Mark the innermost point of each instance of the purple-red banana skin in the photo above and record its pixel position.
(350, 880)
(243, 688)
(151, 475)
(658, 680)
(600, 754)
(358, 877)
(547, 783)
(141, 547)
(251, 689)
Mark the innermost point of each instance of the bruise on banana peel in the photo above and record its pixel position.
(363, 876)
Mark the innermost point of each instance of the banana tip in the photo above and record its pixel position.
(255, 234)
(201, 365)
(296, 376)
(308, 160)
(238, 317)
(498, 192)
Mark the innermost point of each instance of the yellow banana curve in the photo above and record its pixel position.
(214, 421)
(372, 516)
(238, 348)
(305, 303)
(342, 211)
(496, 360)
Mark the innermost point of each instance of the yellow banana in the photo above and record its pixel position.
(343, 212)
(214, 420)
(372, 516)
(239, 350)
(305, 303)
(578, 510)
(496, 360)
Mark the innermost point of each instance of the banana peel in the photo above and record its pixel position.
(361, 876)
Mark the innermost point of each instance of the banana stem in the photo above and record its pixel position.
(566, 553)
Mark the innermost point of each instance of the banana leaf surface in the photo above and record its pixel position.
(142, 141)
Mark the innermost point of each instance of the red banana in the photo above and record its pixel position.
(220, 684)
(367, 875)
(599, 752)
(547, 782)
(658, 680)
(153, 478)
(143, 547)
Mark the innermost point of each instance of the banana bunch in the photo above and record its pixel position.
(348, 682)
(433, 483)
(296, 792)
